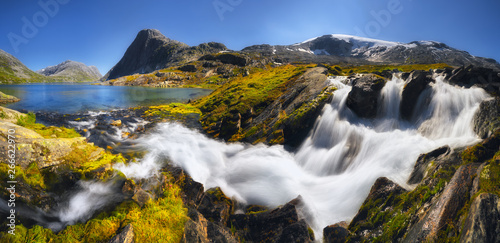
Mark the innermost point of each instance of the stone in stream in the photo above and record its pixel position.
(416, 83)
(364, 96)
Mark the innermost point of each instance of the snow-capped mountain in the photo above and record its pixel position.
(353, 49)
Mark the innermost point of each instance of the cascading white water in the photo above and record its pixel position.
(336, 165)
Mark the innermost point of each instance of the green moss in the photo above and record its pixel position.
(244, 94)
(31, 175)
(29, 121)
(172, 109)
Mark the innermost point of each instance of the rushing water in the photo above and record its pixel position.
(72, 98)
(334, 168)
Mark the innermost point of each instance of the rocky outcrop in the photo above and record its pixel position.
(364, 96)
(444, 210)
(487, 118)
(32, 147)
(474, 75)
(415, 84)
(483, 223)
(303, 101)
(423, 161)
(279, 225)
(72, 71)
(9, 115)
(212, 217)
(198, 229)
(382, 196)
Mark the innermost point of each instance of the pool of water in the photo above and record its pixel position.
(73, 98)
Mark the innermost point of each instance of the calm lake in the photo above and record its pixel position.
(73, 98)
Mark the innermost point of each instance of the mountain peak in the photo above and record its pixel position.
(151, 51)
(73, 71)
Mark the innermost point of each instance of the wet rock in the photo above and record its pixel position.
(336, 233)
(364, 96)
(116, 123)
(487, 118)
(279, 225)
(381, 195)
(126, 236)
(215, 206)
(141, 197)
(198, 229)
(416, 83)
(195, 229)
(423, 161)
(444, 210)
(483, 223)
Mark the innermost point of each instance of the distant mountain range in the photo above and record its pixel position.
(72, 71)
(14, 71)
(152, 51)
(353, 49)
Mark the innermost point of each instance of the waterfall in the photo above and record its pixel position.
(337, 164)
(333, 170)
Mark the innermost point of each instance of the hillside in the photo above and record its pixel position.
(14, 71)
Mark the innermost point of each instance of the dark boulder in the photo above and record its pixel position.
(336, 233)
(487, 118)
(416, 83)
(483, 222)
(423, 161)
(469, 76)
(279, 225)
(364, 96)
(215, 206)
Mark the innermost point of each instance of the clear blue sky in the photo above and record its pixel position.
(98, 32)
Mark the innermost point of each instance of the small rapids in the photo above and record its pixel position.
(334, 168)
(336, 165)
